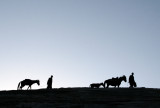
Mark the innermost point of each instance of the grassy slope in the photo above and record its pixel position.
(81, 98)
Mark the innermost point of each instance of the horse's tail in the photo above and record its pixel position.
(18, 85)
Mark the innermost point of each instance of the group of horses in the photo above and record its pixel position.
(116, 82)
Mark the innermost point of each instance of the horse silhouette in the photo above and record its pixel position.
(96, 85)
(115, 81)
(28, 82)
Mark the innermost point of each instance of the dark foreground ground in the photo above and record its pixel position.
(81, 98)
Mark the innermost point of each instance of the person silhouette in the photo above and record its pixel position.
(49, 82)
(132, 81)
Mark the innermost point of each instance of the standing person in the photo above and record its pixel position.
(49, 82)
(132, 81)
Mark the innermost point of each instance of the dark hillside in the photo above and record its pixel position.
(81, 98)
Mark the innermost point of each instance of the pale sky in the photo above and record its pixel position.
(79, 42)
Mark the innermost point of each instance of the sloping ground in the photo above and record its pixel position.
(81, 98)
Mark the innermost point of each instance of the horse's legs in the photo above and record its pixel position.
(98, 86)
(29, 87)
(21, 87)
(107, 85)
(104, 85)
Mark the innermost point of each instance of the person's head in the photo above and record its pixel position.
(51, 76)
(132, 73)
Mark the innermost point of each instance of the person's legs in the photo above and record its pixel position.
(131, 85)
(49, 86)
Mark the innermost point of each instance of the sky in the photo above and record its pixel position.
(79, 42)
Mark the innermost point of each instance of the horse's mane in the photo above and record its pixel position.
(122, 76)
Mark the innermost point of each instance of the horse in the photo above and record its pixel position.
(28, 82)
(115, 81)
(96, 85)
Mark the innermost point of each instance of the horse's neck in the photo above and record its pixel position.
(120, 79)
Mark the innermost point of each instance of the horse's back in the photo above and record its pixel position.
(26, 81)
(109, 80)
(112, 82)
(95, 85)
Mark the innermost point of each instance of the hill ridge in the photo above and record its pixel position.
(81, 98)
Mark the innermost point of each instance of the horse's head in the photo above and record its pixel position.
(38, 82)
(124, 78)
